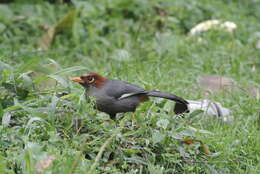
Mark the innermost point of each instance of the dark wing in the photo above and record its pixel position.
(120, 89)
(167, 96)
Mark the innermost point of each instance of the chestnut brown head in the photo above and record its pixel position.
(90, 79)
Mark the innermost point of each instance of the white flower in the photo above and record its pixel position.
(229, 26)
(210, 24)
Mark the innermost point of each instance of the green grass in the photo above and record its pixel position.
(127, 40)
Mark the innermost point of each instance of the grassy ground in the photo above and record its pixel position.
(140, 41)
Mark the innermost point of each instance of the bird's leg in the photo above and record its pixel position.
(112, 116)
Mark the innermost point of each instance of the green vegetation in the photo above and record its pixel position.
(49, 127)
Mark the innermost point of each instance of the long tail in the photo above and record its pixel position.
(167, 96)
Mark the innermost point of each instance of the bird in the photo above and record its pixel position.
(115, 96)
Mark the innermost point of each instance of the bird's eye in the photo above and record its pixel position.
(91, 79)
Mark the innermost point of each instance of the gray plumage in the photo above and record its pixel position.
(118, 97)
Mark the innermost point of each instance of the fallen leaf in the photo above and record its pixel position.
(216, 83)
(47, 38)
(190, 141)
(64, 25)
(44, 163)
(204, 147)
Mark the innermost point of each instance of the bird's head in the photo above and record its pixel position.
(90, 79)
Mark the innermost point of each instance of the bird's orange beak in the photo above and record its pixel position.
(77, 79)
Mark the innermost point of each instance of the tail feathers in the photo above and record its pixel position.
(167, 96)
